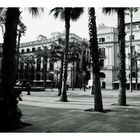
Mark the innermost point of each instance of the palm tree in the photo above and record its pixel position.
(83, 70)
(121, 41)
(21, 32)
(98, 105)
(10, 113)
(2, 18)
(66, 14)
(9, 110)
(84, 63)
(28, 60)
(57, 53)
(75, 49)
(45, 54)
(135, 57)
(131, 10)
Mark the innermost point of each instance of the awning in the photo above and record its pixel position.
(38, 80)
(127, 82)
(116, 82)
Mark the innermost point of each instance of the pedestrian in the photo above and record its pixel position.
(28, 87)
(52, 86)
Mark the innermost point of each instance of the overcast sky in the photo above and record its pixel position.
(46, 24)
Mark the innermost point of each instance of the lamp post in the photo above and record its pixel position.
(131, 16)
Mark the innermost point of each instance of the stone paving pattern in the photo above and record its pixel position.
(47, 114)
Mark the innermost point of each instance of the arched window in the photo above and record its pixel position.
(32, 76)
(39, 48)
(51, 66)
(38, 77)
(102, 75)
(33, 49)
(38, 66)
(51, 77)
(22, 51)
(28, 50)
(133, 75)
(21, 66)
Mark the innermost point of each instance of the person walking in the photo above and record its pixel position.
(28, 87)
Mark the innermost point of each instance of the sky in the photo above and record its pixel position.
(45, 24)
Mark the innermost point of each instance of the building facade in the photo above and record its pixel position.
(109, 58)
(108, 50)
(53, 68)
(108, 45)
(135, 51)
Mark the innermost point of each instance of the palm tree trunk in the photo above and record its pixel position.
(136, 74)
(61, 75)
(93, 81)
(45, 72)
(73, 76)
(10, 114)
(18, 45)
(121, 41)
(131, 16)
(97, 96)
(98, 105)
(67, 27)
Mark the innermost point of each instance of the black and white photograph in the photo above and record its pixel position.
(70, 69)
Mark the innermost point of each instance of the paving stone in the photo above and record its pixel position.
(47, 114)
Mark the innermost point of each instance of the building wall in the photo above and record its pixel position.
(136, 46)
(27, 49)
(111, 60)
(107, 39)
(109, 43)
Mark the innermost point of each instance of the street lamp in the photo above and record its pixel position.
(131, 16)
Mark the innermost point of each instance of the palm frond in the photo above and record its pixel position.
(36, 11)
(109, 10)
(56, 12)
(76, 12)
(22, 28)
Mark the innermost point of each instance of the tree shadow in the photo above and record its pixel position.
(15, 127)
(92, 110)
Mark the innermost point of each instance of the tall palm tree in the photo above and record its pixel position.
(10, 113)
(131, 10)
(2, 18)
(75, 49)
(121, 41)
(98, 105)
(21, 31)
(66, 14)
(57, 53)
(45, 54)
(135, 57)
(29, 60)
(83, 70)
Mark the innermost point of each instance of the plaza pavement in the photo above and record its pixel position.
(46, 113)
